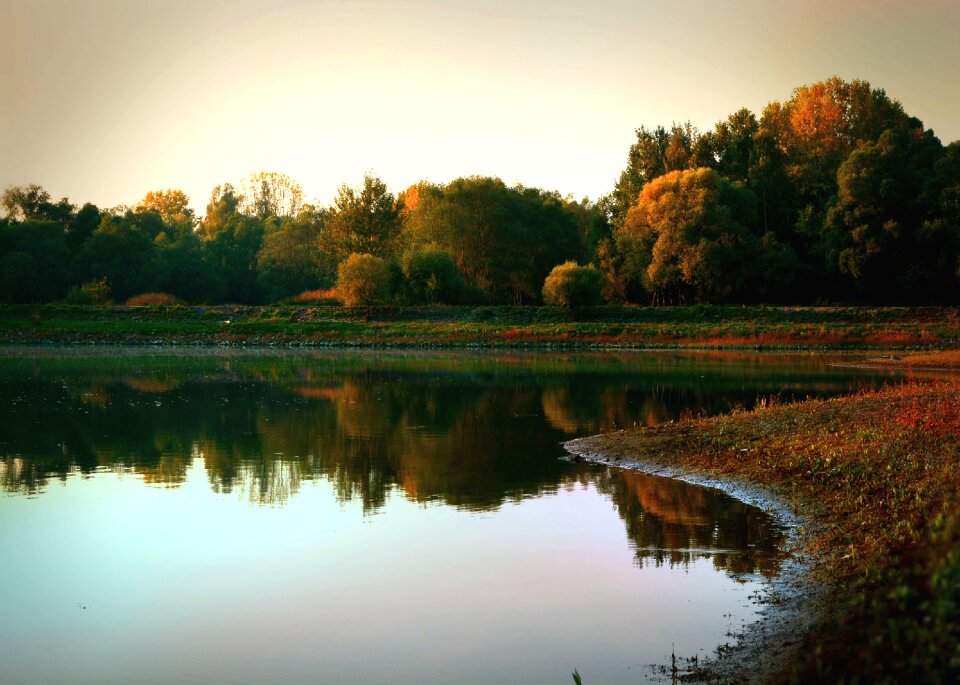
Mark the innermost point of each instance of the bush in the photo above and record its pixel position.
(430, 277)
(569, 285)
(317, 297)
(91, 292)
(148, 299)
(363, 280)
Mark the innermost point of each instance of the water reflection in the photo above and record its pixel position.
(469, 431)
(309, 585)
(674, 523)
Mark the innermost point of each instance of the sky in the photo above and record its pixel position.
(104, 100)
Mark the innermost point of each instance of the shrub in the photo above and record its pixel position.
(363, 280)
(147, 299)
(317, 297)
(91, 292)
(430, 276)
(569, 285)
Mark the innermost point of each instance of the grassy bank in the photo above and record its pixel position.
(878, 472)
(700, 325)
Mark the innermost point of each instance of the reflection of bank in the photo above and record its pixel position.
(672, 522)
(467, 430)
(590, 409)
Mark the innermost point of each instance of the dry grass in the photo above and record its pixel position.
(947, 359)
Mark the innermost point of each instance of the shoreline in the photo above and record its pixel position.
(262, 343)
(792, 602)
(866, 486)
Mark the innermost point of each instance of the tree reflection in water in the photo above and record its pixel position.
(468, 431)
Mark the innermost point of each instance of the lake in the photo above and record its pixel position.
(227, 516)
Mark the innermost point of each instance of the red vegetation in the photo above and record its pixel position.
(148, 299)
(319, 297)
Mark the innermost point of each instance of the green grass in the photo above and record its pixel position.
(698, 325)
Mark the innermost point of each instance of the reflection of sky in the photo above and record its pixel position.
(189, 586)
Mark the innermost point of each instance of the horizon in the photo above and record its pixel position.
(173, 95)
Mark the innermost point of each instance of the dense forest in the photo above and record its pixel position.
(836, 195)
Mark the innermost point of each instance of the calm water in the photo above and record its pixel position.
(366, 518)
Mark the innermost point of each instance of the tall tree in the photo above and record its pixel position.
(364, 220)
(33, 203)
(270, 193)
(289, 260)
(879, 233)
(120, 251)
(232, 241)
(504, 240)
(173, 208)
(689, 231)
(653, 154)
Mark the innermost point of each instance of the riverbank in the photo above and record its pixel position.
(497, 327)
(873, 478)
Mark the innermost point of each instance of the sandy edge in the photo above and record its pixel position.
(792, 602)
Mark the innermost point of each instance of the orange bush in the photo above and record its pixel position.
(317, 297)
(147, 299)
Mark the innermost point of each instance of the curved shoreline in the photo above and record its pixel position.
(792, 602)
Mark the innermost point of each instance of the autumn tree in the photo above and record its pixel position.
(653, 154)
(689, 235)
(173, 208)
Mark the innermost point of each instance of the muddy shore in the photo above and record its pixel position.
(865, 486)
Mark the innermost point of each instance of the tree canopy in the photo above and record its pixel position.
(834, 194)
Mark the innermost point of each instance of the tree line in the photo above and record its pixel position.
(835, 195)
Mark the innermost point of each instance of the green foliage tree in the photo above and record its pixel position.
(18, 281)
(186, 272)
(363, 280)
(570, 285)
(123, 254)
(430, 276)
(32, 203)
(879, 231)
(82, 226)
(732, 145)
(34, 258)
(362, 220)
(289, 260)
(503, 240)
(232, 241)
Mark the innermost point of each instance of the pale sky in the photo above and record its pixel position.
(104, 100)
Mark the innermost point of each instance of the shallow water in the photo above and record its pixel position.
(263, 517)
